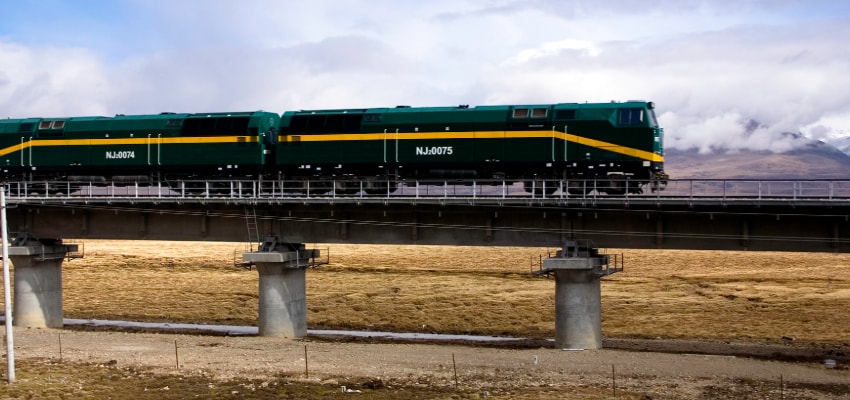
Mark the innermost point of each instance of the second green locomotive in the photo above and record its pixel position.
(617, 145)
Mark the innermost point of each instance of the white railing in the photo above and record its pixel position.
(586, 190)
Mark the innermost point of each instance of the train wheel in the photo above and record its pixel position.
(379, 187)
(320, 187)
(615, 185)
(540, 187)
(579, 187)
(342, 187)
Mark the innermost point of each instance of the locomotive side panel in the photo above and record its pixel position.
(13, 134)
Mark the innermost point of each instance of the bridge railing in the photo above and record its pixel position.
(585, 190)
(758, 189)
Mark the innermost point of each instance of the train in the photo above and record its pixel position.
(617, 146)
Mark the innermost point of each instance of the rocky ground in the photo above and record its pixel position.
(629, 368)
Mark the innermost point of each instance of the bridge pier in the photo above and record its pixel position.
(578, 296)
(38, 281)
(282, 287)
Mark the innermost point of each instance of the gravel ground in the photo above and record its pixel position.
(633, 366)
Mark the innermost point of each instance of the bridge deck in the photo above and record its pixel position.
(801, 215)
(481, 192)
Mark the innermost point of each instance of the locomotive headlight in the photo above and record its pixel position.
(646, 163)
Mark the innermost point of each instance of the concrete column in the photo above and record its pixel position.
(283, 300)
(578, 300)
(38, 284)
(578, 309)
(282, 291)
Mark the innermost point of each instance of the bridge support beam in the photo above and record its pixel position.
(282, 288)
(38, 282)
(578, 296)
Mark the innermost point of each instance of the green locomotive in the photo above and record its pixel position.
(612, 147)
(618, 145)
(138, 148)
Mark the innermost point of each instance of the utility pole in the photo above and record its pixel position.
(7, 292)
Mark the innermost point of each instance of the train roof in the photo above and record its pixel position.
(165, 121)
(163, 115)
(464, 107)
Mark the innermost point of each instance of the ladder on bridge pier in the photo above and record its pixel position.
(253, 229)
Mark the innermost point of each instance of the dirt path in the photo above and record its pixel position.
(486, 370)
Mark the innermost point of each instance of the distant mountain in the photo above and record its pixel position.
(813, 160)
(842, 143)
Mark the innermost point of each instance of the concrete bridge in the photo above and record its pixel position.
(690, 214)
(687, 214)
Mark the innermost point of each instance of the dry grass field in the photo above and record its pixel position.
(738, 296)
(662, 296)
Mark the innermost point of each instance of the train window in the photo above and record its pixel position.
(538, 113)
(652, 120)
(565, 114)
(630, 116)
(520, 113)
(43, 125)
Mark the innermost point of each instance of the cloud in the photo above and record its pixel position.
(51, 81)
(709, 86)
(711, 67)
(548, 49)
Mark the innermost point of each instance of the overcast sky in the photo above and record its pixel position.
(712, 67)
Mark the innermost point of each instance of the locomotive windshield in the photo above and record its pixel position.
(653, 122)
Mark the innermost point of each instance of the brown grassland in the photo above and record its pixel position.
(477, 290)
(712, 296)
